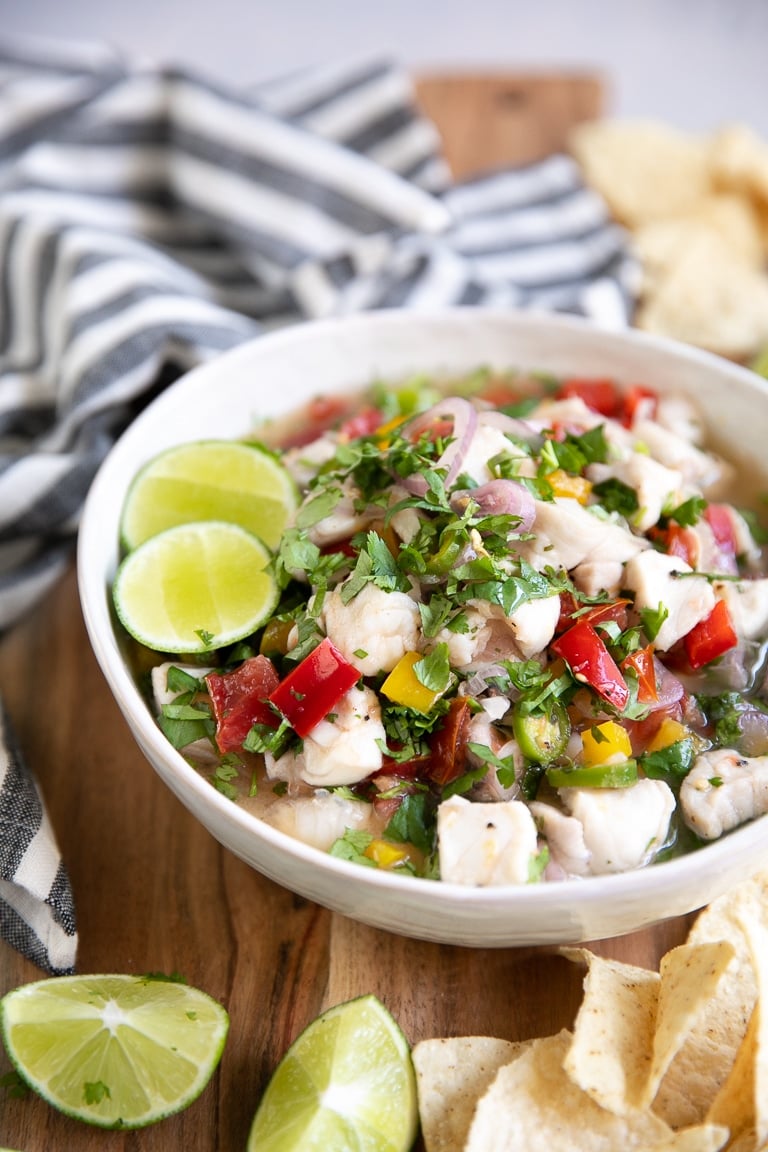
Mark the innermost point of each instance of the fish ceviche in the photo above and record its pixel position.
(520, 637)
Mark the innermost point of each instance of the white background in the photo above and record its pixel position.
(695, 63)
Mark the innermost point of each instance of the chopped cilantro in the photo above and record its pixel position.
(434, 669)
(653, 619)
(413, 821)
(616, 496)
(689, 512)
(351, 846)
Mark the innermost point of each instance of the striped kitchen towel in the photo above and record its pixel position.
(151, 218)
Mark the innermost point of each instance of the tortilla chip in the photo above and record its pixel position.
(451, 1076)
(660, 244)
(612, 1047)
(690, 975)
(742, 1102)
(702, 1138)
(533, 1105)
(644, 170)
(739, 161)
(709, 297)
(707, 1055)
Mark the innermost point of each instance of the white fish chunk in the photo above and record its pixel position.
(723, 790)
(564, 836)
(654, 485)
(697, 467)
(623, 827)
(566, 534)
(485, 844)
(319, 819)
(747, 603)
(650, 576)
(344, 521)
(340, 751)
(532, 624)
(487, 443)
(161, 693)
(375, 629)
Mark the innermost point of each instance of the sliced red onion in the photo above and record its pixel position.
(668, 687)
(464, 417)
(753, 725)
(523, 430)
(499, 498)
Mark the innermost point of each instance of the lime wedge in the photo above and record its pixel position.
(346, 1083)
(209, 480)
(115, 1051)
(195, 587)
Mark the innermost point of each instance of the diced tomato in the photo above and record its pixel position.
(641, 663)
(572, 610)
(500, 392)
(448, 744)
(638, 401)
(320, 414)
(600, 395)
(592, 664)
(322, 411)
(711, 638)
(363, 423)
(642, 732)
(314, 687)
(677, 541)
(240, 699)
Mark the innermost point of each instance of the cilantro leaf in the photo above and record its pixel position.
(434, 669)
(413, 822)
(616, 496)
(653, 619)
(689, 512)
(351, 846)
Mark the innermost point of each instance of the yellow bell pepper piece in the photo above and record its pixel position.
(384, 854)
(563, 484)
(604, 743)
(403, 687)
(670, 732)
(382, 432)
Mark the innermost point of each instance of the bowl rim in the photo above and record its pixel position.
(94, 597)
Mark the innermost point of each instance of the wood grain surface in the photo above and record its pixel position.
(155, 892)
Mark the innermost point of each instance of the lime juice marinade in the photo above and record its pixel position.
(521, 597)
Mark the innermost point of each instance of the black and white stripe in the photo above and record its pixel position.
(150, 218)
(36, 906)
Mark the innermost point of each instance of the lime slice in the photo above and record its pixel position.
(209, 480)
(195, 587)
(347, 1082)
(116, 1051)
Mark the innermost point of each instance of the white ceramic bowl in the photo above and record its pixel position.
(274, 374)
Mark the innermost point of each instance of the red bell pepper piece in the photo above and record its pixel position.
(592, 664)
(240, 699)
(638, 400)
(710, 638)
(600, 395)
(314, 687)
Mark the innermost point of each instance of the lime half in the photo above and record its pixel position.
(209, 480)
(115, 1051)
(347, 1083)
(195, 587)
